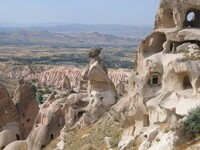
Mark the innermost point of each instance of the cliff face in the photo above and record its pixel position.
(18, 115)
(165, 85)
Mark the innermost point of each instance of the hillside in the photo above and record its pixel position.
(42, 37)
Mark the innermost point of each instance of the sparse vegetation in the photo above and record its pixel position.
(34, 89)
(189, 129)
(105, 127)
(27, 55)
(39, 98)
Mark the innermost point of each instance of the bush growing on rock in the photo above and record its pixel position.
(34, 89)
(39, 98)
(190, 128)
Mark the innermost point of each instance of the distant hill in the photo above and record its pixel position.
(42, 37)
(132, 31)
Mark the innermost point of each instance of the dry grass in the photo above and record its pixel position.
(94, 140)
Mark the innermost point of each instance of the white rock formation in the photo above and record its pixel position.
(166, 82)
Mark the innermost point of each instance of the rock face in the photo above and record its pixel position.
(9, 120)
(49, 122)
(101, 90)
(26, 106)
(166, 81)
(65, 84)
(17, 115)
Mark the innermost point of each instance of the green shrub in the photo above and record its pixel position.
(190, 127)
(39, 98)
(34, 89)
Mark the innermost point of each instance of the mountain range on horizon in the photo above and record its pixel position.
(132, 31)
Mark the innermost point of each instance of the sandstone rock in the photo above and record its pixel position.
(55, 76)
(50, 120)
(8, 110)
(166, 82)
(101, 91)
(183, 47)
(65, 84)
(17, 145)
(9, 133)
(9, 120)
(27, 106)
(16, 72)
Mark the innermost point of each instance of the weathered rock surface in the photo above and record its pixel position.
(165, 85)
(56, 75)
(101, 90)
(17, 72)
(50, 120)
(9, 120)
(166, 82)
(26, 106)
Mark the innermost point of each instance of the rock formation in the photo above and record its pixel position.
(49, 122)
(16, 72)
(101, 90)
(56, 75)
(17, 115)
(9, 120)
(65, 84)
(63, 111)
(165, 84)
(26, 106)
(162, 89)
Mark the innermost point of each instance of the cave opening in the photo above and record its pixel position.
(192, 18)
(80, 113)
(17, 137)
(43, 146)
(168, 18)
(51, 136)
(154, 44)
(174, 45)
(186, 82)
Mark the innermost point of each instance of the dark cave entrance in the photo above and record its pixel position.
(192, 18)
(17, 137)
(186, 82)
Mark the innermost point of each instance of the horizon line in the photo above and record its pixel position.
(5, 24)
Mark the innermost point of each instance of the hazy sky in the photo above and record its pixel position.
(135, 12)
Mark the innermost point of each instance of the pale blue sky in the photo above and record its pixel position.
(134, 12)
